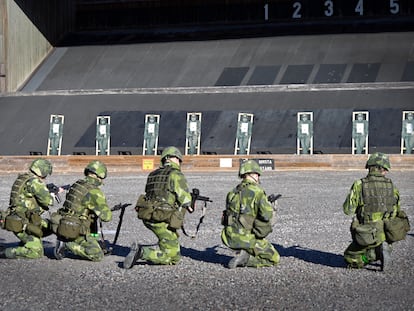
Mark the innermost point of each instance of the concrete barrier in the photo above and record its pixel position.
(214, 163)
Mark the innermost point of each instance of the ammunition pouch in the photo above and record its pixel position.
(365, 234)
(151, 210)
(176, 219)
(71, 227)
(144, 208)
(261, 228)
(396, 228)
(54, 221)
(35, 219)
(246, 221)
(14, 223)
(35, 230)
(162, 213)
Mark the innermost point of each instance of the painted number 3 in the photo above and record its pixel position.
(328, 8)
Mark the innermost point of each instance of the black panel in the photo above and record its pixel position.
(408, 74)
(363, 73)
(263, 75)
(330, 73)
(166, 19)
(297, 74)
(232, 76)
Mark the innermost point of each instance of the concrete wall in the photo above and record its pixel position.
(29, 30)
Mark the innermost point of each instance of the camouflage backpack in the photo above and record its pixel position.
(232, 215)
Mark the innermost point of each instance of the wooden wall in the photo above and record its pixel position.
(131, 164)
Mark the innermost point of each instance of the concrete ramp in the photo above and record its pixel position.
(273, 78)
(317, 59)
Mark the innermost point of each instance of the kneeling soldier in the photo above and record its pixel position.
(247, 221)
(29, 198)
(85, 204)
(375, 202)
(162, 210)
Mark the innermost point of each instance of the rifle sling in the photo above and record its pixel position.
(200, 221)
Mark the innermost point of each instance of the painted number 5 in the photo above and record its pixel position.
(394, 7)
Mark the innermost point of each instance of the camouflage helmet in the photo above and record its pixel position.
(96, 167)
(249, 166)
(171, 152)
(41, 167)
(379, 159)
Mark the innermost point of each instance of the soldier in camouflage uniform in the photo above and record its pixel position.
(247, 221)
(162, 210)
(372, 199)
(87, 202)
(29, 198)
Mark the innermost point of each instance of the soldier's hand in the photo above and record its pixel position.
(189, 208)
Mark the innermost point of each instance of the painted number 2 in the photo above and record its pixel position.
(297, 6)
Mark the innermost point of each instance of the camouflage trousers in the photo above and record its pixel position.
(32, 247)
(86, 247)
(262, 253)
(168, 252)
(358, 256)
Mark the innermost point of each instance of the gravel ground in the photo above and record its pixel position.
(310, 234)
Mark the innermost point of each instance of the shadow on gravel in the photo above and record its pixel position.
(116, 250)
(9, 244)
(311, 255)
(208, 255)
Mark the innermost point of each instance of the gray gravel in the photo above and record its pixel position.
(310, 234)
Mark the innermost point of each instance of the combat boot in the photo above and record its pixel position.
(134, 254)
(385, 255)
(240, 260)
(60, 250)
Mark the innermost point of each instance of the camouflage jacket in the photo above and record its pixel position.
(250, 202)
(354, 203)
(174, 189)
(33, 195)
(94, 201)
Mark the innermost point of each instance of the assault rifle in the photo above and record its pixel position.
(273, 197)
(195, 196)
(273, 200)
(53, 189)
